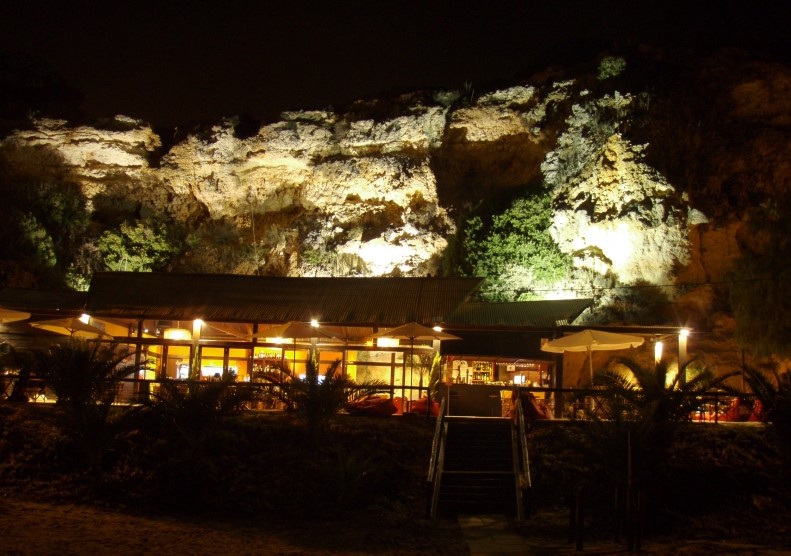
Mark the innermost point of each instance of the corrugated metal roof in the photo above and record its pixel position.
(532, 314)
(510, 343)
(235, 298)
(45, 302)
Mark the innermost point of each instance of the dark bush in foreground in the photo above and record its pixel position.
(717, 481)
(248, 464)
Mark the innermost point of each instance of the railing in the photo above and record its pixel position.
(711, 407)
(436, 442)
(436, 462)
(262, 395)
(715, 406)
(524, 482)
(24, 388)
(578, 404)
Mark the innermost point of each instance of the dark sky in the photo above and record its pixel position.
(173, 62)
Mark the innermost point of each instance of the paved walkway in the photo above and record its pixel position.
(489, 535)
(493, 535)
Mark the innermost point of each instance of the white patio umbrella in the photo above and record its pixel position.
(347, 335)
(292, 330)
(414, 331)
(72, 327)
(9, 315)
(589, 340)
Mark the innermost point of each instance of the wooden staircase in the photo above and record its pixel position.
(478, 468)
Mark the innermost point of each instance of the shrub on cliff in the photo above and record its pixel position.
(514, 252)
(759, 292)
(139, 247)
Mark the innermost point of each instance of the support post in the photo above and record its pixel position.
(682, 355)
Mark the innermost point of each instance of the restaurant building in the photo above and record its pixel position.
(202, 326)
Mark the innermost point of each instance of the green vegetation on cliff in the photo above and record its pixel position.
(514, 251)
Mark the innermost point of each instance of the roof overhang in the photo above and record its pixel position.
(386, 301)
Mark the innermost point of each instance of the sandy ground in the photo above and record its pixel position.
(34, 528)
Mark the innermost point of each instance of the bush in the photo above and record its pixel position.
(142, 247)
(515, 252)
(611, 66)
(773, 390)
(715, 481)
(316, 400)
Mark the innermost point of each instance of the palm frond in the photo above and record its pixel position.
(315, 399)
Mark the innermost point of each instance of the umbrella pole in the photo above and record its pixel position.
(403, 388)
(590, 362)
(412, 363)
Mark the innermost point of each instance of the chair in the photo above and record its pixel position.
(373, 405)
(420, 407)
(757, 414)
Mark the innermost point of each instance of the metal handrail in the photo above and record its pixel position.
(523, 444)
(435, 445)
(438, 477)
(521, 459)
(517, 469)
(436, 462)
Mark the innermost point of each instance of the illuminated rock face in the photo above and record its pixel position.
(371, 191)
(619, 216)
(340, 175)
(99, 160)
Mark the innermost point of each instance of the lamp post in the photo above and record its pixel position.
(682, 354)
(195, 357)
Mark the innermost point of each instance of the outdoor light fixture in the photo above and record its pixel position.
(277, 340)
(86, 318)
(658, 351)
(387, 342)
(177, 334)
(437, 329)
(682, 353)
(314, 323)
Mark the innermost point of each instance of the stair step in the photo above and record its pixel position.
(478, 474)
(496, 494)
(474, 465)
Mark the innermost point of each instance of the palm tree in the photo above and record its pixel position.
(85, 377)
(315, 400)
(649, 394)
(630, 440)
(773, 391)
(191, 408)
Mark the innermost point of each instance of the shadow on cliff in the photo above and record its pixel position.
(46, 218)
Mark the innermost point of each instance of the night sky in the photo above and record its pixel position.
(175, 62)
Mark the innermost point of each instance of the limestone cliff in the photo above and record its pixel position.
(650, 174)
